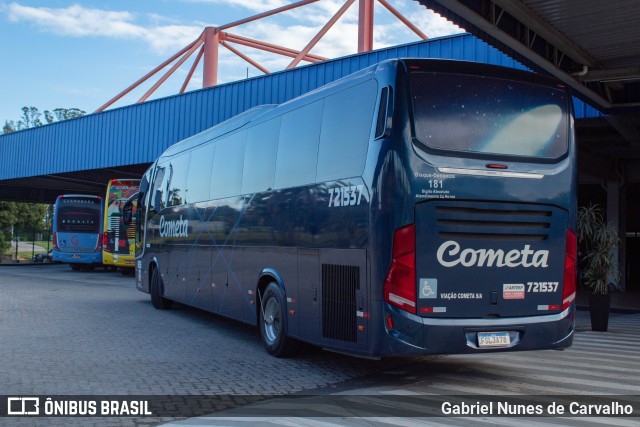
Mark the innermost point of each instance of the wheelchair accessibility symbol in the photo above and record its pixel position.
(428, 288)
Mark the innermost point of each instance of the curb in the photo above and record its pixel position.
(18, 264)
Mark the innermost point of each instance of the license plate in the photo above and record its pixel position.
(75, 256)
(493, 339)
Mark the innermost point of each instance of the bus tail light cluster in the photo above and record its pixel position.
(400, 283)
(105, 241)
(569, 285)
(55, 241)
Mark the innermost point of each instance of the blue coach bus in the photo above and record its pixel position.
(77, 230)
(414, 207)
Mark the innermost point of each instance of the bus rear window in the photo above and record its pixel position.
(491, 116)
(78, 216)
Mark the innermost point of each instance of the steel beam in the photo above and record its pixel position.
(210, 63)
(320, 34)
(365, 25)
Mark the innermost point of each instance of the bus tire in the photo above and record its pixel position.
(75, 267)
(158, 301)
(273, 331)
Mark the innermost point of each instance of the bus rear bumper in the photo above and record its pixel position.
(78, 258)
(118, 260)
(414, 335)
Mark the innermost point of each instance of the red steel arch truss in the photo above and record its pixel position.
(209, 41)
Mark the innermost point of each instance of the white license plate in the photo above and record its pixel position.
(493, 339)
(75, 256)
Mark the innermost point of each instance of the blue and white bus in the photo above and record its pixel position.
(414, 207)
(77, 230)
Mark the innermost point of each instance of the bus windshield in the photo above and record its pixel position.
(486, 115)
(78, 215)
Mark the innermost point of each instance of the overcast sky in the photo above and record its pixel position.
(80, 54)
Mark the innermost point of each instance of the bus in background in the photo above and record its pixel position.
(414, 207)
(77, 230)
(118, 239)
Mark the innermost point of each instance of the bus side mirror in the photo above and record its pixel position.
(127, 209)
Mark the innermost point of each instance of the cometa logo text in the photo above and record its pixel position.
(176, 228)
(450, 254)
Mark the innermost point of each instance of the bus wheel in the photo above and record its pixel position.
(273, 323)
(157, 299)
(75, 267)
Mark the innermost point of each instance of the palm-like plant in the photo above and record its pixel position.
(597, 241)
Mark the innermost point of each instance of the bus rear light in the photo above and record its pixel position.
(400, 283)
(389, 322)
(105, 241)
(569, 284)
(497, 166)
(55, 241)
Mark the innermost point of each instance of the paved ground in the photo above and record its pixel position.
(91, 332)
(599, 366)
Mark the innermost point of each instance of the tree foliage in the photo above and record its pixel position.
(32, 117)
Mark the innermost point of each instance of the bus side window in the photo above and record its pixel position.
(177, 186)
(383, 122)
(226, 175)
(157, 193)
(143, 192)
(260, 156)
(346, 129)
(198, 181)
(297, 156)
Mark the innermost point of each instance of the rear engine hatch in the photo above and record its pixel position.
(486, 259)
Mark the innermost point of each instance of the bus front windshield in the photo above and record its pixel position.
(78, 215)
(491, 116)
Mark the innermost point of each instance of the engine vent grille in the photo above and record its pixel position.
(339, 286)
(508, 224)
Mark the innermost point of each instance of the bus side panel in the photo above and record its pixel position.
(199, 292)
(231, 294)
(175, 285)
(308, 302)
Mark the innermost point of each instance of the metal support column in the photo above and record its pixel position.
(210, 63)
(365, 25)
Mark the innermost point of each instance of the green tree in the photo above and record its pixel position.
(32, 117)
(26, 216)
(8, 217)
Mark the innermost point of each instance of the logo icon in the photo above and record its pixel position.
(513, 291)
(428, 288)
(23, 406)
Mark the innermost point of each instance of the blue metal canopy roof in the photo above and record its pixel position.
(82, 154)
